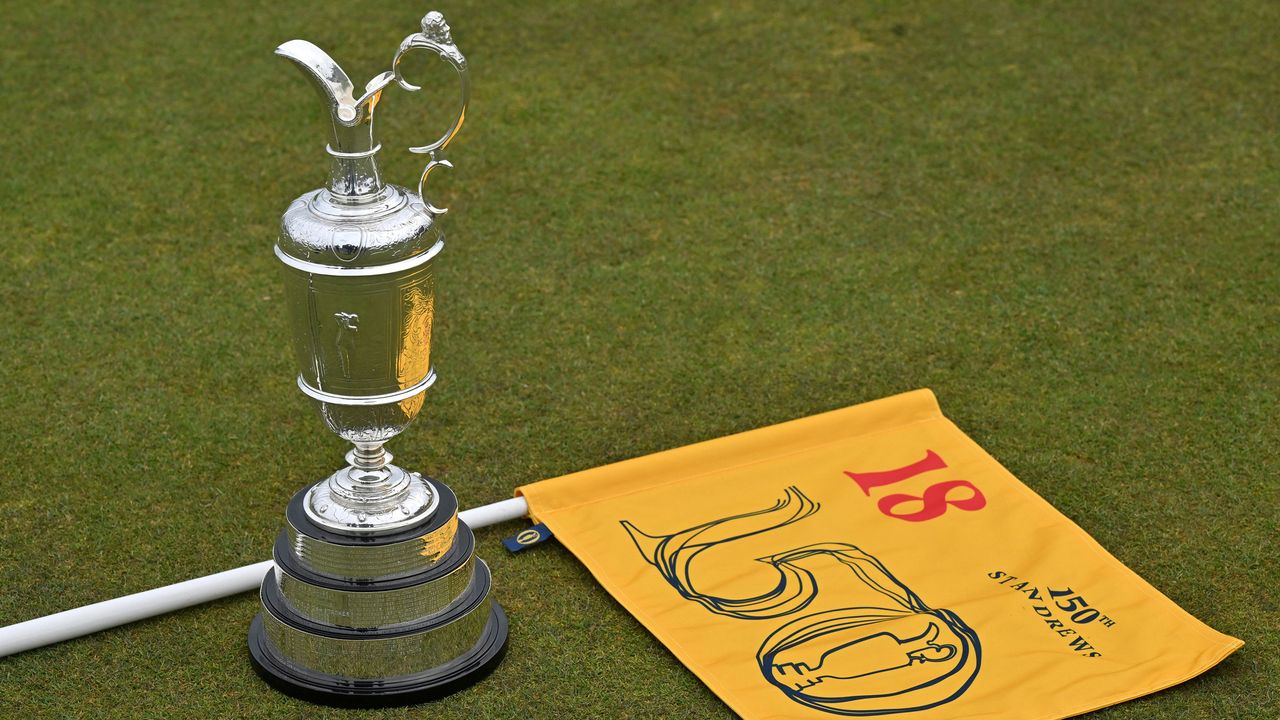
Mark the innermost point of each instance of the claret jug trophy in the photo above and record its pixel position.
(376, 596)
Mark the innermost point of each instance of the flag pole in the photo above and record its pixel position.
(149, 603)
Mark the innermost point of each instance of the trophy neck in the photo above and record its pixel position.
(370, 484)
(354, 178)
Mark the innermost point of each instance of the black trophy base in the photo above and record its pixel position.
(450, 677)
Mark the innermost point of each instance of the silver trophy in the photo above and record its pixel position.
(376, 597)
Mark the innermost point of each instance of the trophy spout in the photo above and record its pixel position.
(351, 117)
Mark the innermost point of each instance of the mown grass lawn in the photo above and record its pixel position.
(670, 222)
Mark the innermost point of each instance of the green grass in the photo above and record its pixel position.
(669, 224)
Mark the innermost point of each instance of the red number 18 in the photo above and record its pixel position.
(936, 497)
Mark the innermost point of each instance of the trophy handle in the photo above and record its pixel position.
(435, 37)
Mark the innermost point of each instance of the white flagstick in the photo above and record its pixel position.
(149, 603)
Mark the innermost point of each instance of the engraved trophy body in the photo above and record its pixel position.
(376, 597)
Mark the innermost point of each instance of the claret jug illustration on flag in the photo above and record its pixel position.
(871, 561)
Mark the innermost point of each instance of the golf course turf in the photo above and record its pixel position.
(668, 222)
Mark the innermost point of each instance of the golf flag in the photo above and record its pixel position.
(871, 561)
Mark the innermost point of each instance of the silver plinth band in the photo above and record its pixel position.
(374, 610)
(361, 563)
(374, 657)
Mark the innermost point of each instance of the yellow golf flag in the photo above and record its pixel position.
(871, 561)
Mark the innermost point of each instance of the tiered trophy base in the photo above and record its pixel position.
(377, 620)
(336, 690)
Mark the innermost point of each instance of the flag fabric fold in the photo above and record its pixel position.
(871, 561)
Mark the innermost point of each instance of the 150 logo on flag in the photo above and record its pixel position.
(868, 645)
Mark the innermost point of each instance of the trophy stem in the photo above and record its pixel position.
(369, 456)
(370, 481)
(370, 496)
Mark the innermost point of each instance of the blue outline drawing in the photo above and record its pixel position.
(865, 661)
(673, 554)
(853, 661)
